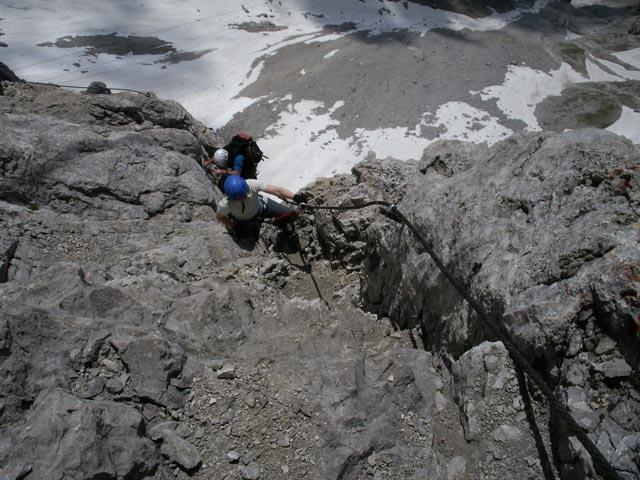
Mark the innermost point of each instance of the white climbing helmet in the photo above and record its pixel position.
(220, 158)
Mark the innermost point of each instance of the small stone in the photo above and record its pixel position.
(227, 372)
(306, 411)
(440, 401)
(532, 461)
(92, 348)
(213, 401)
(155, 433)
(183, 431)
(517, 404)
(296, 406)
(284, 441)
(227, 417)
(506, 433)
(114, 386)
(576, 374)
(94, 388)
(250, 401)
(217, 364)
(180, 451)
(614, 368)
(262, 400)
(250, 472)
(576, 400)
(285, 469)
(247, 458)
(575, 345)
(199, 433)
(233, 456)
(110, 365)
(457, 469)
(606, 345)
(97, 88)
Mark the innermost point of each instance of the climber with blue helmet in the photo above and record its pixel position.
(243, 202)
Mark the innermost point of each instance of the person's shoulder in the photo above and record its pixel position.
(256, 184)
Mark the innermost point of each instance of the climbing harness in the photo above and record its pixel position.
(601, 464)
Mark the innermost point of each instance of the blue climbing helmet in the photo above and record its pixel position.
(236, 187)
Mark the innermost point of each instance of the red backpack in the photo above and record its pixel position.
(244, 144)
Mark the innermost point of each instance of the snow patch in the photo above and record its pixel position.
(464, 122)
(331, 54)
(628, 125)
(525, 87)
(632, 57)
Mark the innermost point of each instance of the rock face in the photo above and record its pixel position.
(541, 229)
(71, 440)
(7, 74)
(553, 216)
(137, 340)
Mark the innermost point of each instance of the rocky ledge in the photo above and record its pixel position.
(137, 340)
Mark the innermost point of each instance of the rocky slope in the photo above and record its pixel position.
(137, 340)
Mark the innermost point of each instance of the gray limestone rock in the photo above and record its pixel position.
(96, 88)
(117, 285)
(179, 450)
(457, 469)
(152, 362)
(157, 431)
(539, 228)
(614, 368)
(233, 456)
(7, 74)
(114, 386)
(489, 397)
(94, 388)
(109, 433)
(605, 345)
(92, 348)
(506, 434)
(250, 472)
(228, 372)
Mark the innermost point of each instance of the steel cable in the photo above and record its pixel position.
(601, 464)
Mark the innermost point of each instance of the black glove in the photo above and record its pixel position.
(300, 198)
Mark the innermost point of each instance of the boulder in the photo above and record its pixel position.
(179, 450)
(6, 74)
(152, 362)
(97, 88)
(110, 434)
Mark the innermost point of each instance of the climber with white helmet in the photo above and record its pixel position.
(239, 157)
(220, 159)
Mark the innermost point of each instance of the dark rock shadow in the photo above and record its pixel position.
(248, 244)
(117, 45)
(545, 461)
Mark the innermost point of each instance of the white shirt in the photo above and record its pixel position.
(248, 207)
